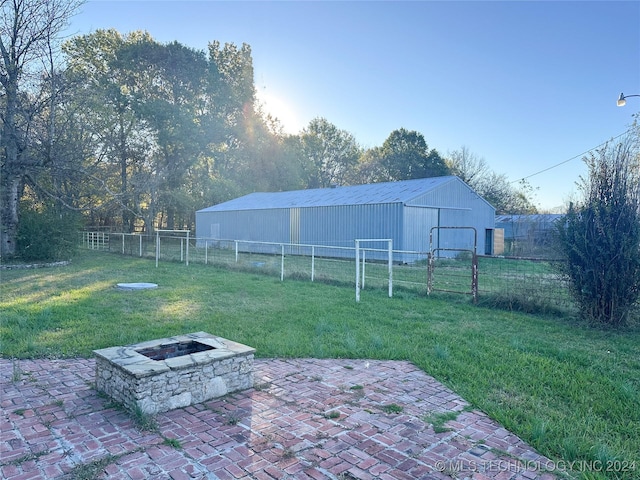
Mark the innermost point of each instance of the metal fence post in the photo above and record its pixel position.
(282, 263)
(313, 262)
(390, 268)
(474, 277)
(357, 270)
(429, 273)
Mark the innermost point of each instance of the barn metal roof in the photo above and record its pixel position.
(374, 193)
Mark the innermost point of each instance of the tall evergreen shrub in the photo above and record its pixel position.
(599, 238)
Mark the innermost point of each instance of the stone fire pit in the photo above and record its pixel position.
(160, 375)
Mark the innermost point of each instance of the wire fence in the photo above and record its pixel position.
(525, 284)
(512, 283)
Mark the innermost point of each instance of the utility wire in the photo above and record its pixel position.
(572, 158)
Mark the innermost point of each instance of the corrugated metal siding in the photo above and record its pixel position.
(461, 207)
(417, 224)
(452, 194)
(340, 226)
(294, 225)
(336, 226)
(257, 226)
(462, 238)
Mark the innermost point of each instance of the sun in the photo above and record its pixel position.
(280, 109)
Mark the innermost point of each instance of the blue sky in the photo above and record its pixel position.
(524, 85)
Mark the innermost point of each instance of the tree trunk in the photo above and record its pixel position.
(9, 199)
(11, 173)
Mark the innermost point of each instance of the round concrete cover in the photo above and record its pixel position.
(137, 286)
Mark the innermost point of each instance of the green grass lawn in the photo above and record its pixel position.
(570, 391)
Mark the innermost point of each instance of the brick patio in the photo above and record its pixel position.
(305, 419)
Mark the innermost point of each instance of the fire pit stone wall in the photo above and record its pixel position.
(174, 372)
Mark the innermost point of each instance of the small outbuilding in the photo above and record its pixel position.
(528, 235)
(404, 211)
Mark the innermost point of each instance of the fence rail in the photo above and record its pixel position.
(513, 283)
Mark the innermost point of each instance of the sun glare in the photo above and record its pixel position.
(280, 109)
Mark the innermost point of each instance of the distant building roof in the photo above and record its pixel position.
(518, 227)
(374, 193)
(535, 218)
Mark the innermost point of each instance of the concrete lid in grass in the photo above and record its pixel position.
(136, 286)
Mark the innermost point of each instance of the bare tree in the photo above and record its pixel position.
(468, 166)
(28, 32)
(493, 187)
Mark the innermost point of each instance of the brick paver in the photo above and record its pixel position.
(305, 419)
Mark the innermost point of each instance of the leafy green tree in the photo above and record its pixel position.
(405, 155)
(102, 103)
(267, 162)
(169, 96)
(231, 84)
(328, 154)
(599, 239)
(229, 104)
(169, 123)
(369, 168)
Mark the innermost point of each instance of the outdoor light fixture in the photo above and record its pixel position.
(622, 101)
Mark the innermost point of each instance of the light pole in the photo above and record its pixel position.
(622, 100)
